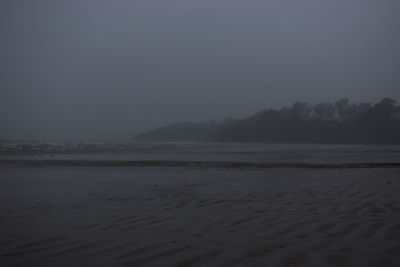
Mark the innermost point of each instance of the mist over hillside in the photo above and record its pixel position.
(339, 122)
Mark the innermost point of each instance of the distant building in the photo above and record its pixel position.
(395, 114)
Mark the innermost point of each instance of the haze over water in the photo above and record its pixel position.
(233, 133)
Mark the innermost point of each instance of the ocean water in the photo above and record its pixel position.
(181, 153)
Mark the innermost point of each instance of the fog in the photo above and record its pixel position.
(111, 69)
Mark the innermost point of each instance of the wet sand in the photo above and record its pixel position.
(174, 216)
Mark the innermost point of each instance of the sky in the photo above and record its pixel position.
(109, 69)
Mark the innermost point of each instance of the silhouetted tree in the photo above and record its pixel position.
(324, 110)
(342, 107)
(300, 111)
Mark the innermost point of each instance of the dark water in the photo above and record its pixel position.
(225, 155)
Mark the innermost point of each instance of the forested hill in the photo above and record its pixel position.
(339, 122)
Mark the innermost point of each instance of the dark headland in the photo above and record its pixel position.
(340, 122)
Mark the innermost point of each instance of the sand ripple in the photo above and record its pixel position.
(202, 217)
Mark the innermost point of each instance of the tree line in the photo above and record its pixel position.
(339, 122)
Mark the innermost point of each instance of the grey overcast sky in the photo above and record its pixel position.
(104, 69)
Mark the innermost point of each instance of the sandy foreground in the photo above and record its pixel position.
(174, 216)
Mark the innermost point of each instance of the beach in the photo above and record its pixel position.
(199, 215)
